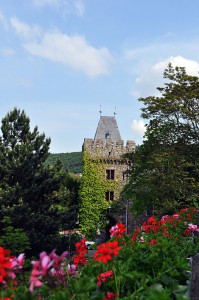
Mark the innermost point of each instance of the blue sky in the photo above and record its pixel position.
(60, 60)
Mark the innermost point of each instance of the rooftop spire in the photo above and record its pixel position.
(107, 129)
(115, 112)
(100, 111)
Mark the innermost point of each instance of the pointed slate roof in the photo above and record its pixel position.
(107, 129)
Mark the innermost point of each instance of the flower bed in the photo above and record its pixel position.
(150, 263)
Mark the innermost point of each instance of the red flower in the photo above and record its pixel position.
(114, 248)
(79, 259)
(153, 242)
(150, 227)
(81, 246)
(106, 251)
(151, 220)
(103, 277)
(5, 263)
(118, 230)
(187, 231)
(110, 296)
(81, 249)
(135, 235)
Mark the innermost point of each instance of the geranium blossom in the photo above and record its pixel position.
(118, 230)
(81, 250)
(142, 239)
(110, 296)
(153, 242)
(6, 264)
(135, 235)
(106, 251)
(103, 277)
(193, 227)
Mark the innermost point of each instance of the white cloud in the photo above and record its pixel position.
(151, 76)
(138, 129)
(192, 66)
(25, 30)
(73, 51)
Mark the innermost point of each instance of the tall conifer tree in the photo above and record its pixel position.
(30, 194)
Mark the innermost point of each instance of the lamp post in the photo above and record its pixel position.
(127, 202)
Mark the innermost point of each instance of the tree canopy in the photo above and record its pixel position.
(165, 172)
(33, 196)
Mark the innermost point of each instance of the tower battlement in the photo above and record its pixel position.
(108, 148)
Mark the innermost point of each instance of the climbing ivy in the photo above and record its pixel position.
(93, 205)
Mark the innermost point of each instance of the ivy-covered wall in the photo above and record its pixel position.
(93, 205)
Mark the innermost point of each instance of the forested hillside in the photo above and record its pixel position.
(71, 161)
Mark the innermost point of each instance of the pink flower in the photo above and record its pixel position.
(58, 259)
(21, 260)
(35, 279)
(176, 216)
(18, 262)
(71, 269)
(193, 227)
(166, 217)
(46, 267)
(142, 239)
(43, 265)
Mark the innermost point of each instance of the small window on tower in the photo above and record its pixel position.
(107, 135)
(110, 174)
(109, 195)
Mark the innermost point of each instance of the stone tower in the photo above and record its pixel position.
(109, 147)
(104, 175)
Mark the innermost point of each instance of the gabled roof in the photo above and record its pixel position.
(107, 129)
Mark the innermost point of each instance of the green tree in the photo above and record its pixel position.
(14, 239)
(165, 173)
(30, 193)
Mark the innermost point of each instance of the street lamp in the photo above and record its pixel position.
(127, 202)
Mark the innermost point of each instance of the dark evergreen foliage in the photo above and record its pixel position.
(35, 197)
